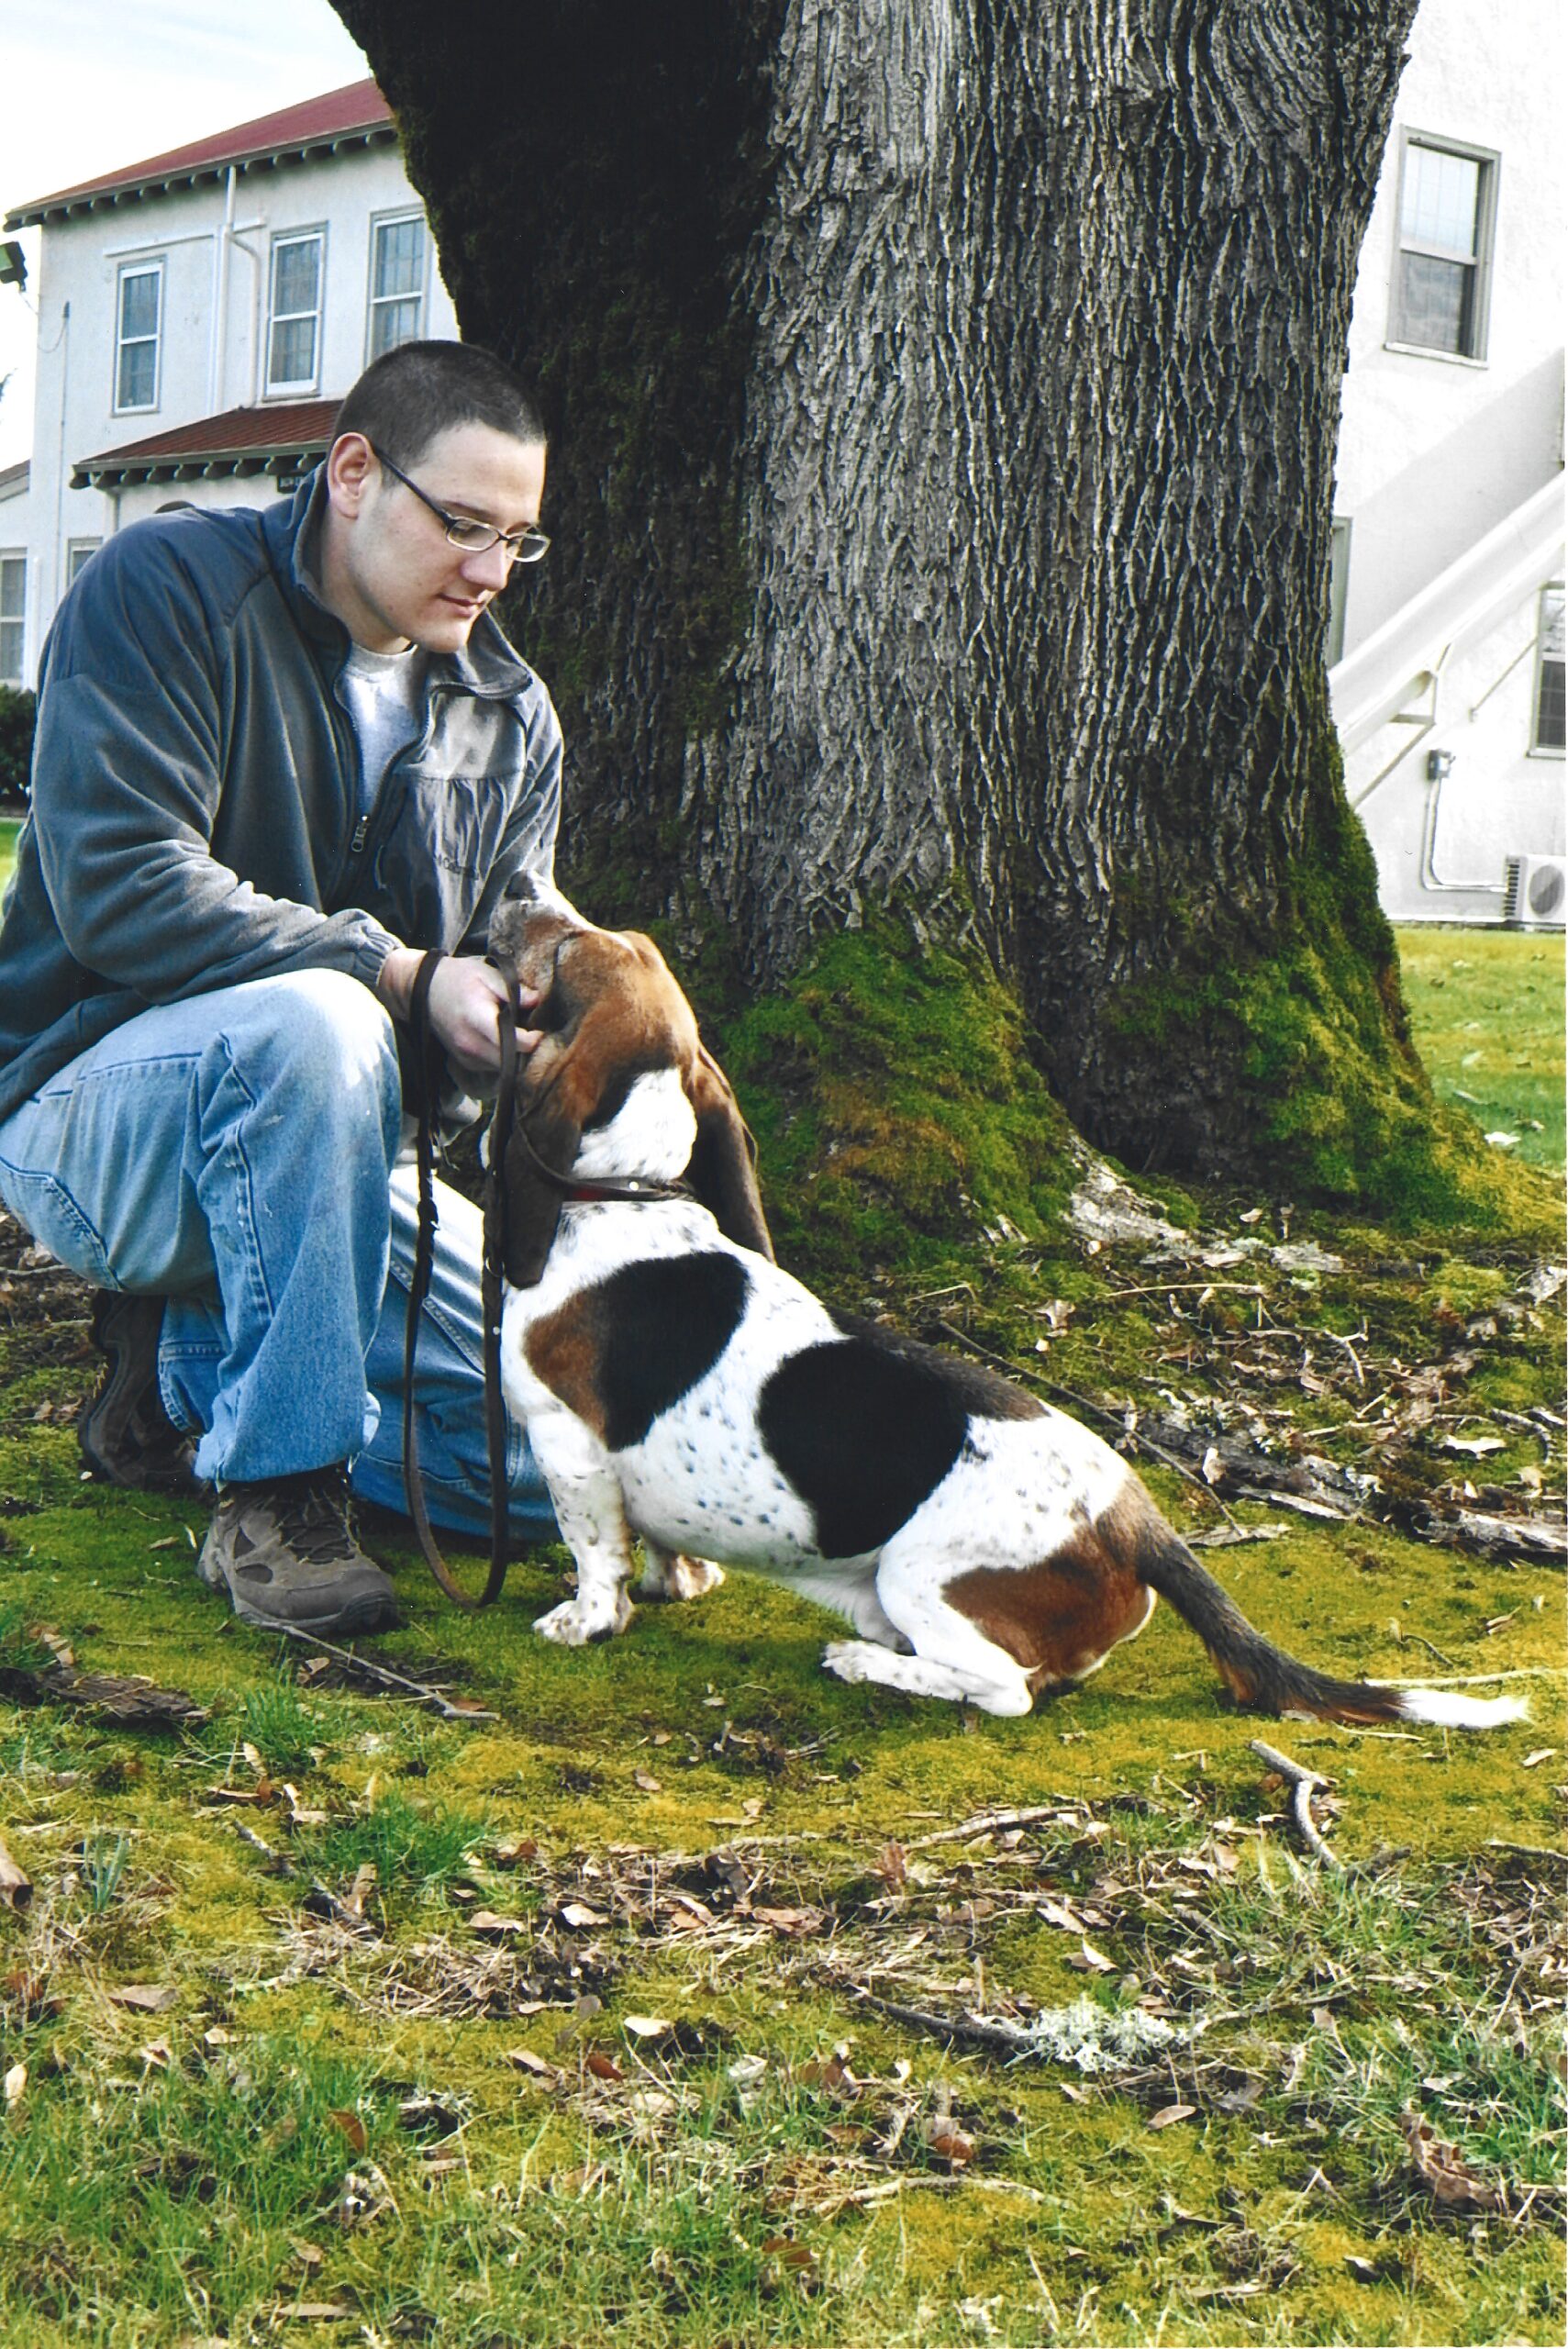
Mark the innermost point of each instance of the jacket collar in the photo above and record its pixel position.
(485, 667)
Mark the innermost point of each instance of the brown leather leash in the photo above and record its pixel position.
(427, 1070)
(427, 1062)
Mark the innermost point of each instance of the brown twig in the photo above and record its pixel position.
(1302, 1781)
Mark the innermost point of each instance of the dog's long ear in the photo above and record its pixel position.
(724, 1159)
(549, 1133)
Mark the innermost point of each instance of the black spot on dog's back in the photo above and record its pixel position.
(979, 1390)
(662, 1325)
(864, 1431)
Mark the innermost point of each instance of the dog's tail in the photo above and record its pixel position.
(1260, 1675)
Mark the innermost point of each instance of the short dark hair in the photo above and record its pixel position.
(410, 394)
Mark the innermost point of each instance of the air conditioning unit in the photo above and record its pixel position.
(1535, 892)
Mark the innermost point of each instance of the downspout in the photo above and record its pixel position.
(217, 350)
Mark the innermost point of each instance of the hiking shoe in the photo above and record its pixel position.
(284, 1551)
(126, 1435)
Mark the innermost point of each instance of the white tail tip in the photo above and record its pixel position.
(1446, 1710)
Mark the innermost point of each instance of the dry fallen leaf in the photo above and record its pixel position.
(1168, 2113)
(645, 1781)
(352, 2127)
(578, 1915)
(948, 2142)
(16, 2084)
(646, 2026)
(1452, 2184)
(603, 2067)
(146, 1998)
(527, 2061)
(1544, 1754)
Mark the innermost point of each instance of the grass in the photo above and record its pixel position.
(1487, 1012)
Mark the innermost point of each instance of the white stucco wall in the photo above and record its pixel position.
(1435, 454)
(1433, 451)
(212, 353)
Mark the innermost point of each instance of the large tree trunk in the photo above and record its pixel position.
(943, 396)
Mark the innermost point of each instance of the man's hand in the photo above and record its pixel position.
(464, 1003)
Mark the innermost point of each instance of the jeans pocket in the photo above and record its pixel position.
(43, 1205)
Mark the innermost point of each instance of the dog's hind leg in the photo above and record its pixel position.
(669, 1574)
(951, 1658)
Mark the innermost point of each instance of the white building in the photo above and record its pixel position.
(200, 316)
(1446, 643)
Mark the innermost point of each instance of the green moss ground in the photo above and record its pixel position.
(343, 2122)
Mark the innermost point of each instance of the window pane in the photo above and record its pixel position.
(392, 323)
(399, 257)
(81, 551)
(1442, 196)
(296, 273)
(1435, 302)
(1550, 710)
(138, 375)
(294, 352)
(138, 305)
(12, 604)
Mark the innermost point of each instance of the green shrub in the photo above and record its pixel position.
(17, 710)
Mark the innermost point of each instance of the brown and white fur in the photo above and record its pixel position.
(678, 1388)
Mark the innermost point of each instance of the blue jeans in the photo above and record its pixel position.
(239, 1153)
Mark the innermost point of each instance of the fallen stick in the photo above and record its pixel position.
(384, 1677)
(996, 1822)
(1302, 1781)
(16, 1891)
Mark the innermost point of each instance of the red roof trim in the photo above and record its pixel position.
(240, 438)
(339, 113)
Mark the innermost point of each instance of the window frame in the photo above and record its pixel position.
(79, 552)
(295, 386)
(1340, 537)
(1537, 748)
(1480, 260)
(18, 620)
(380, 220)
(153, 266)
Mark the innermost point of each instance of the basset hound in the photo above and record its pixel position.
(680, 1389)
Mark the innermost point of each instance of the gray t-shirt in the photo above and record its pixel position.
(384, 692)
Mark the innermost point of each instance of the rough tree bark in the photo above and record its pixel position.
(943, 396)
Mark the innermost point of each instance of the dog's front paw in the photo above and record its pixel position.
(847, 1658)
(573, 1623)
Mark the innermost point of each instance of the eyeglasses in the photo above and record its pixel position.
(462, 531)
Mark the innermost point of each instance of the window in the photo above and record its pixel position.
(1447, 206)
(397, 282)
(1339, 588)
(141, 317)
(294, 333)
(1547, 730)
(76, 554)
(13, 616)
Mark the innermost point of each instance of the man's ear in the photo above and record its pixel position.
(724, 1159)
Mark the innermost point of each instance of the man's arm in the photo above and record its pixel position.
(129, 769)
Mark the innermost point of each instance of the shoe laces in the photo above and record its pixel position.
(311, 1513)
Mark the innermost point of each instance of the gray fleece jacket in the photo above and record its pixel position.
(195, 817)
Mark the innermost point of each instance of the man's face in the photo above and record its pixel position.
(388, 570)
